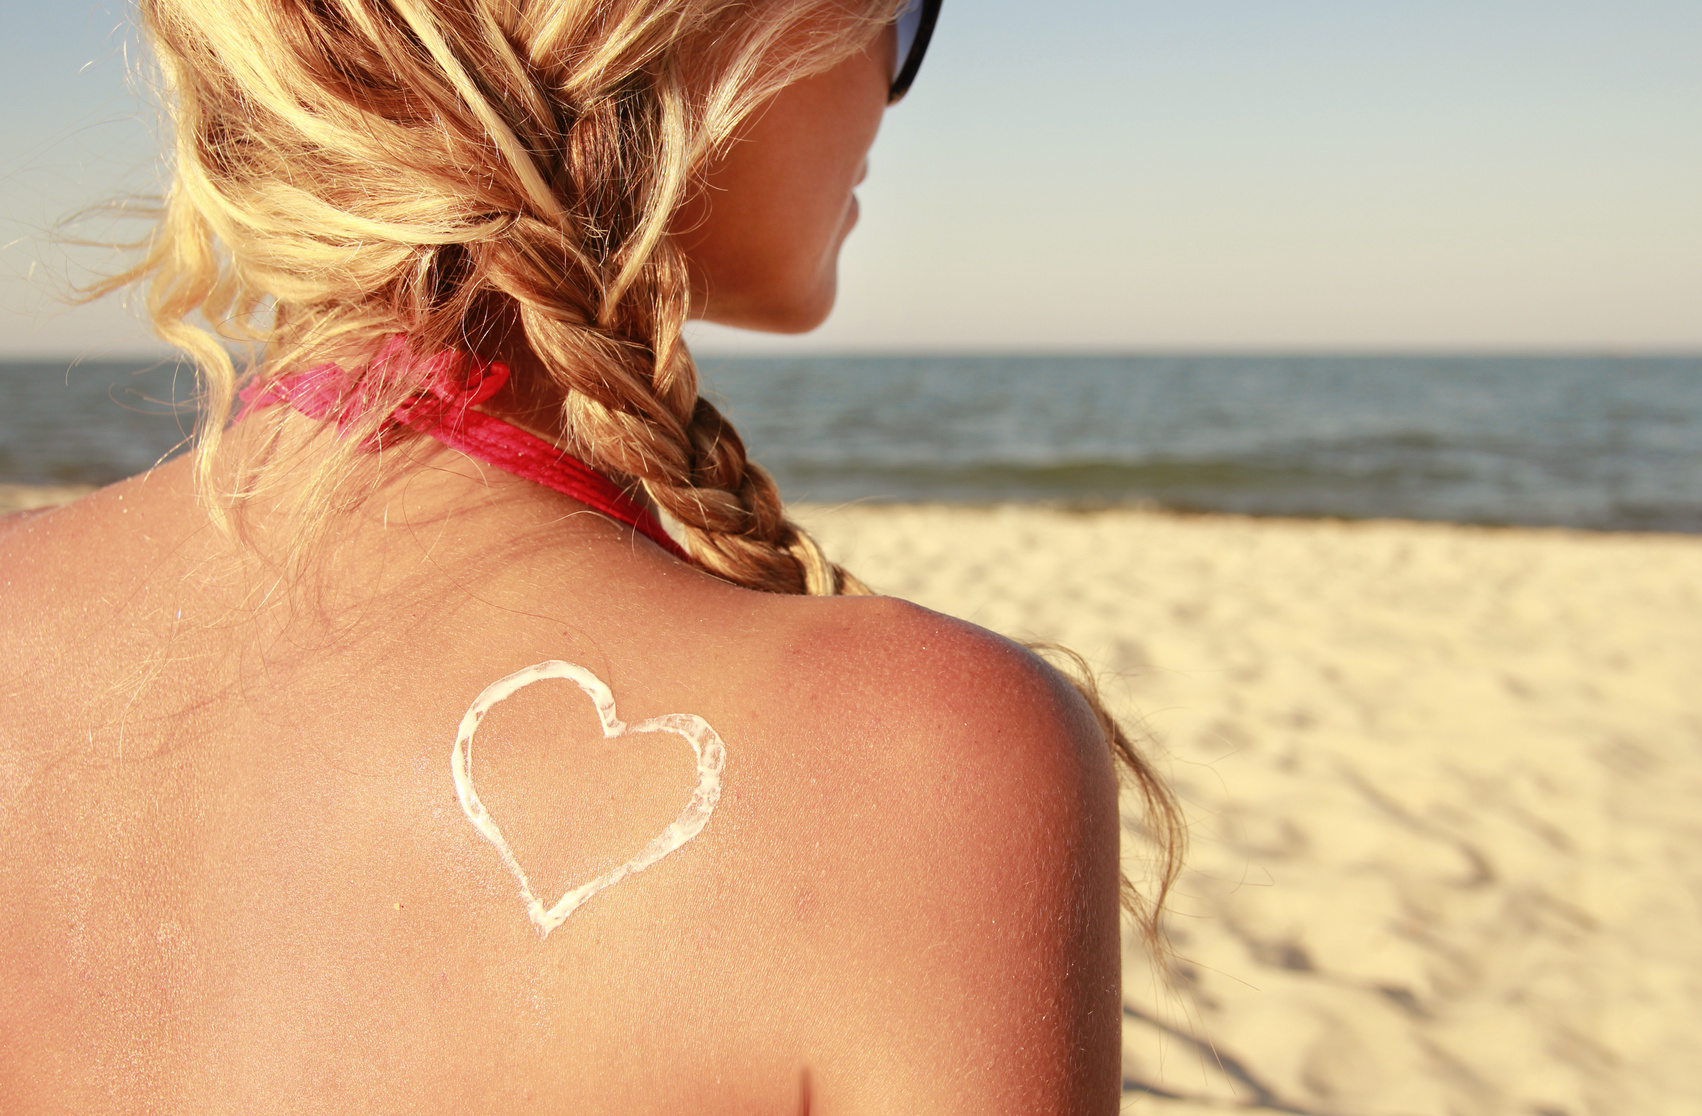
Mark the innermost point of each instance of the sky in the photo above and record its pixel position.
(1124, 175)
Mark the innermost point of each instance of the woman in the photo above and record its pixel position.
(358, 761)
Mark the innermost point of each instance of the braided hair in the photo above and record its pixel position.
(351, 171)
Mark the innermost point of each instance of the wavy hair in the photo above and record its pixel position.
(350, 171)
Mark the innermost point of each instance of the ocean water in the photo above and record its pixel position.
(90, 422)
(1611, 443)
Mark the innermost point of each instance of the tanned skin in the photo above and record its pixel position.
(237, 877)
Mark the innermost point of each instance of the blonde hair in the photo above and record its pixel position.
(348, 171)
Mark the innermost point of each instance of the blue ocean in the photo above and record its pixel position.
(1610, 443)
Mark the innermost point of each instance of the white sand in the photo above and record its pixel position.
(1445, 787)
(21, 497)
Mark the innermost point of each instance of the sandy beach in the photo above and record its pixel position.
(1441, 781)
(1442, 787)
(23, 497)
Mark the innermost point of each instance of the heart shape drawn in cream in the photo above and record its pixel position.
(705, 744)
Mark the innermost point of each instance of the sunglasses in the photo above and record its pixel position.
(915, 27)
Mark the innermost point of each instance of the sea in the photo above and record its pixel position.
(1609, 443)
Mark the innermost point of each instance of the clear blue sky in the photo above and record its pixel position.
(1114, 174)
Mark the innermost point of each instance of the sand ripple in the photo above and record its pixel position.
(1443, 784)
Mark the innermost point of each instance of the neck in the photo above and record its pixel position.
(531, 399)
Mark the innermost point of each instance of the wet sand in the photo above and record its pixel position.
(1443, 785)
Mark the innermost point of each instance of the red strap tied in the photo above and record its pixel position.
(451, 385)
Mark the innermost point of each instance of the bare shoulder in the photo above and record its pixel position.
(83, 588)
(60, 562)
(40, 549)
(961, 697)
(977, 831)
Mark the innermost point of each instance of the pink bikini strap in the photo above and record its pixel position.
(453, 384)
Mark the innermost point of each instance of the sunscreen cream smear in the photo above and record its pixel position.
(711, 756)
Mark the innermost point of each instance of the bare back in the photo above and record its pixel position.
(239, 875)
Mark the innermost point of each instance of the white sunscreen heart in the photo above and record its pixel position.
(705, 744)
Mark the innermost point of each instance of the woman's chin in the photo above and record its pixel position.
(801, 320)
(798, 314)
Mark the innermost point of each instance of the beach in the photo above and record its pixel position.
(24, 497)
(1442, 787)
(1441, 784)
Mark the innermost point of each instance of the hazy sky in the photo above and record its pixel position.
(1112, 174)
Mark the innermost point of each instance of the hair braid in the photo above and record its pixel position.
(349, 170)
(632, 400)
(637, 414)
